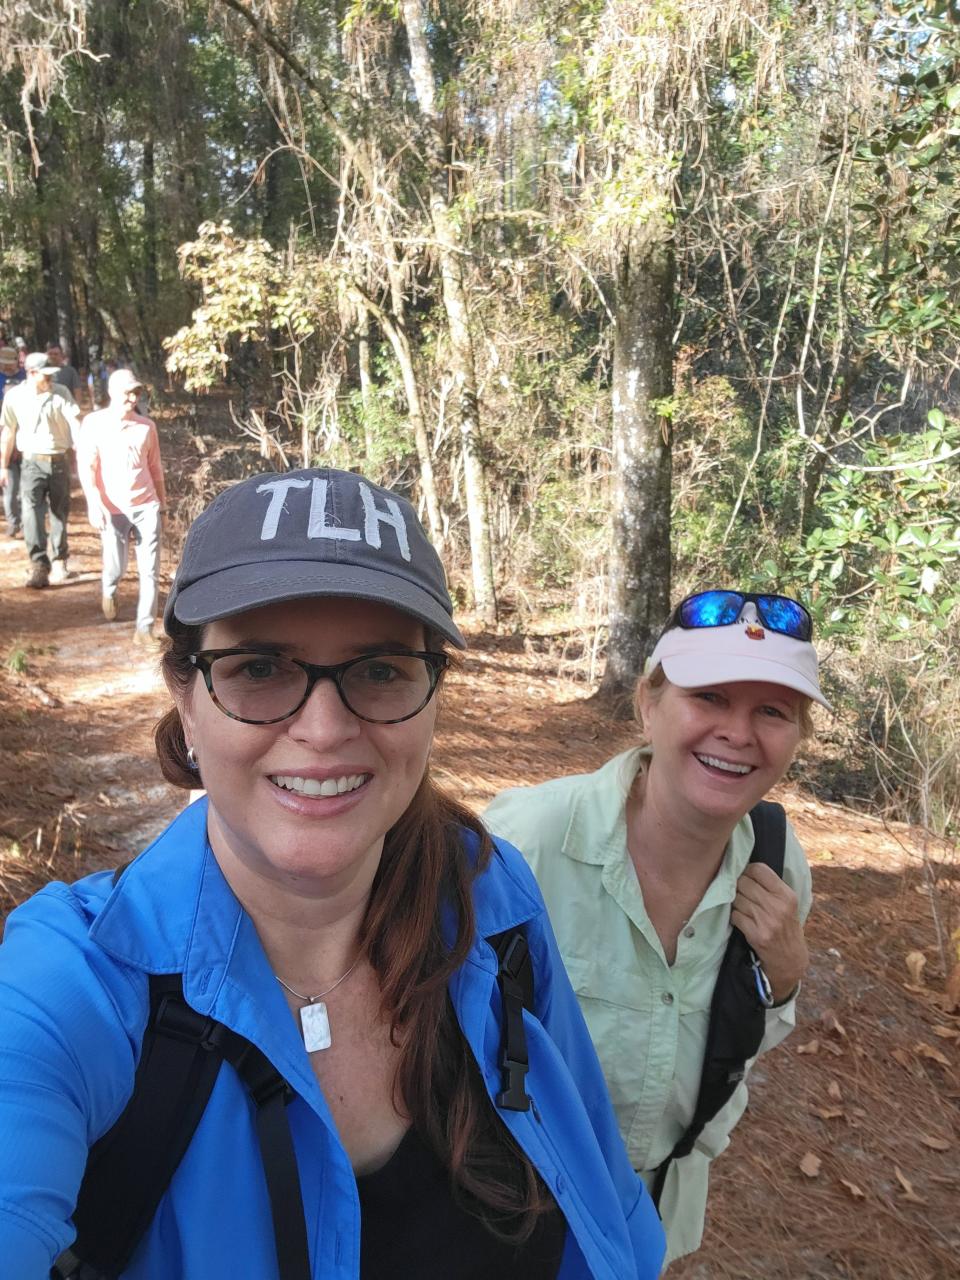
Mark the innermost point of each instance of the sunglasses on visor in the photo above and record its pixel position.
(723, 609)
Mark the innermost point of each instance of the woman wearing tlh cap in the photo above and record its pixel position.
(327, 903)
(644, 866)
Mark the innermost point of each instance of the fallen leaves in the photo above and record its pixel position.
(947, 1033)
(915, 962)
(852, 1187)
(924, 1050)
(810, 1165)
(833, 1091)
(812, 1046)
(951, 996)
(831, 1022)
(934, 1142)
(907, 1185)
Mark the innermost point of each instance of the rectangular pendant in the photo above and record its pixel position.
(315, 1026)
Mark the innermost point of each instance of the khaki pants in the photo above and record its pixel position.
(143, 525)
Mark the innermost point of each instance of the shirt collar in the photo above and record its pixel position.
(173, 912)
(149, 921)
(597, 835)
(597, 831)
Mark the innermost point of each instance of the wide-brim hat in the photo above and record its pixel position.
(305, 534)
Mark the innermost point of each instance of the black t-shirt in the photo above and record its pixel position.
(68, 377)
(411, 1227)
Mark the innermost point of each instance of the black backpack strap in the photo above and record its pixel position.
(737, 1015)
(769, 834)
(131, 1166)
(515, 980)
(271, 1093)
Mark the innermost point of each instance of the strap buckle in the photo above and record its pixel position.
(69, 1267)
(176, 1019)
(514, 1059)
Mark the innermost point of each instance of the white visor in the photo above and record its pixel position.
(746, 650)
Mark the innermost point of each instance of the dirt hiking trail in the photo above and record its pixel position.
(848, 1161)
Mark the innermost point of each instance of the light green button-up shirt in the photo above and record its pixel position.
(648, 1019)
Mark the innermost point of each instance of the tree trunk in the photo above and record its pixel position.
(366, 379)
(66, 332)
(45, 306)
(463, 367)
(642, 377)
(122, 249)
(151, 289)
(394, 326)
(398, 339)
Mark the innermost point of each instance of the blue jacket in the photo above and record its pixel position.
(73, 1007)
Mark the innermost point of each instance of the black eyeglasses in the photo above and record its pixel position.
(263, 688)
(723, 609)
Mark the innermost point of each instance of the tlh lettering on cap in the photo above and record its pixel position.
(309, 533)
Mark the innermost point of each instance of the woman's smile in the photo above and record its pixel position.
(329, 785)
(721, 748)
(312, 795)
(725, 766)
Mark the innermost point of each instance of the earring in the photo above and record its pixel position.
(192, 761)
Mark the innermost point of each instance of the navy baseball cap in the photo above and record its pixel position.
(302, 534)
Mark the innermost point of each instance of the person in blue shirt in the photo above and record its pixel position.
(326, 901)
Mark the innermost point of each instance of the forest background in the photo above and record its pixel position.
(629, 295)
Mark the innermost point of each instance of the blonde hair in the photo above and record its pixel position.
(655, 683)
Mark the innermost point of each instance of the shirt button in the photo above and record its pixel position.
(561, 1185)
(690, 932)
(667, 997)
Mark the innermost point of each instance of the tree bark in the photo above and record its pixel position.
(45, 306)
(366, 378)
(463, 366)
(66, 312)
(151, 275)
(642, 377)
(399, 340)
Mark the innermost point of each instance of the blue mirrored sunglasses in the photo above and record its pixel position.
(723, 609)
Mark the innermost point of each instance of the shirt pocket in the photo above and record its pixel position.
(695, 982)
(616, 1006)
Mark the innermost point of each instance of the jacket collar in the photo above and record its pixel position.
(504, 897)
(173, 912)
(148, 922)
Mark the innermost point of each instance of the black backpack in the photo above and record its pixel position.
(129, 1168)
(737, 1010)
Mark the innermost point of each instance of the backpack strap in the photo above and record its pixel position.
(515, 980)
(271, 1093)
(131, 1166)
(737, 1014)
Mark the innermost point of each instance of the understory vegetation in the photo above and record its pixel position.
(415, 238)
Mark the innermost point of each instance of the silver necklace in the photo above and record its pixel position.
(314, 1023)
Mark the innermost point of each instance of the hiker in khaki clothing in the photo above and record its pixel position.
(40, 419)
